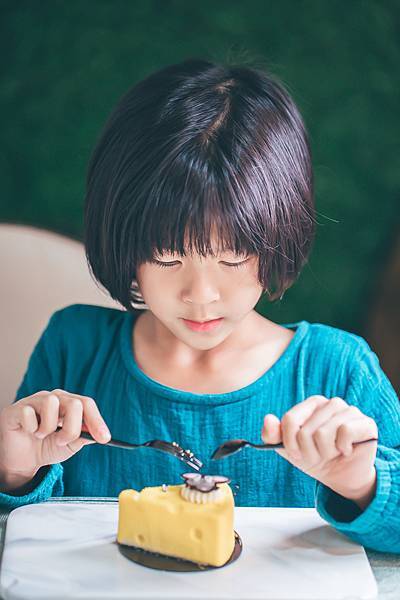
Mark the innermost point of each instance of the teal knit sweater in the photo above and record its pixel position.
(87, 350)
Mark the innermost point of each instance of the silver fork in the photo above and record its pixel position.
(231, 446)
(172, 448)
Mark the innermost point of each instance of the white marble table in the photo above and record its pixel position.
(329, 560)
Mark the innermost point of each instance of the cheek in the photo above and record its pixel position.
(248, 281)
(246, 294)
(161, 291)
(240, 292)
(158, 291)
(248, 290)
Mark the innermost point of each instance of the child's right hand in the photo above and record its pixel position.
(28, 437)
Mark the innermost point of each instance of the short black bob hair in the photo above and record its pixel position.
(193, 146)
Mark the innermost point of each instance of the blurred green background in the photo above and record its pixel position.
(67, 63)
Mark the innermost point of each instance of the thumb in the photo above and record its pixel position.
(271, 431)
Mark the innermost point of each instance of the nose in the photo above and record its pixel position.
(200, 290)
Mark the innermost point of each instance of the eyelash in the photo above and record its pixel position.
(172, 264)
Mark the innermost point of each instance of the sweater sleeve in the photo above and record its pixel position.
(44, 372)
(378, 525)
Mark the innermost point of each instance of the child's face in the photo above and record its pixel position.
(200, 289)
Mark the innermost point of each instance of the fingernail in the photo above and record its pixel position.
(105, 433)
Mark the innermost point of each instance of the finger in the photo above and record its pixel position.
(293, 420)
(13, 412)
(356, 430)
(93, 422)
(76, 445)
(72, 412)
(325, 436)
(72, 427)
(48, 413)
(323, 413)
(271, 432)
(307, 448)
(306, 435)
(28, 419)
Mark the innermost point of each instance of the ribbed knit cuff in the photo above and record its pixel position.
(345, 515)
(50, 483)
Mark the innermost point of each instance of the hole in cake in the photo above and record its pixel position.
(140, 538)
(196, 534)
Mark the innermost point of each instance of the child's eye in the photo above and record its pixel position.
(235, 265)
(163, 264)
(172, 264)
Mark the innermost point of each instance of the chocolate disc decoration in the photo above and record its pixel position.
(204, 483)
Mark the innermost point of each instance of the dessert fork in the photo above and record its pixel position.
(231, 446)
(172, 448)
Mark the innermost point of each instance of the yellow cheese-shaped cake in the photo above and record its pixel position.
(179, 521)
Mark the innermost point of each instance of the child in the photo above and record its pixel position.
(199, 201)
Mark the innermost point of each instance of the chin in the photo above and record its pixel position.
(205, 345)
(198, 342)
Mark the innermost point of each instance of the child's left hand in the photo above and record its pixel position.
(318, 434)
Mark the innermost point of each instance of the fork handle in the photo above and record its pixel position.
(280, 445)
(112, 442)
(115, 443)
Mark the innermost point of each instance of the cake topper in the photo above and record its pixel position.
(203, 483)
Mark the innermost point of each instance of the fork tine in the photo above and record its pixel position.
(190, 459)
(195, 464)
(194, 461)
(176, 450)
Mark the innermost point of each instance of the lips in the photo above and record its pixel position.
(205, 321)
(203, 325)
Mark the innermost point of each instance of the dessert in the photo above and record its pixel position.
(192, 521)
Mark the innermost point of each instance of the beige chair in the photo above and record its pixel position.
(40, 272)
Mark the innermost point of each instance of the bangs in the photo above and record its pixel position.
(208, 215)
